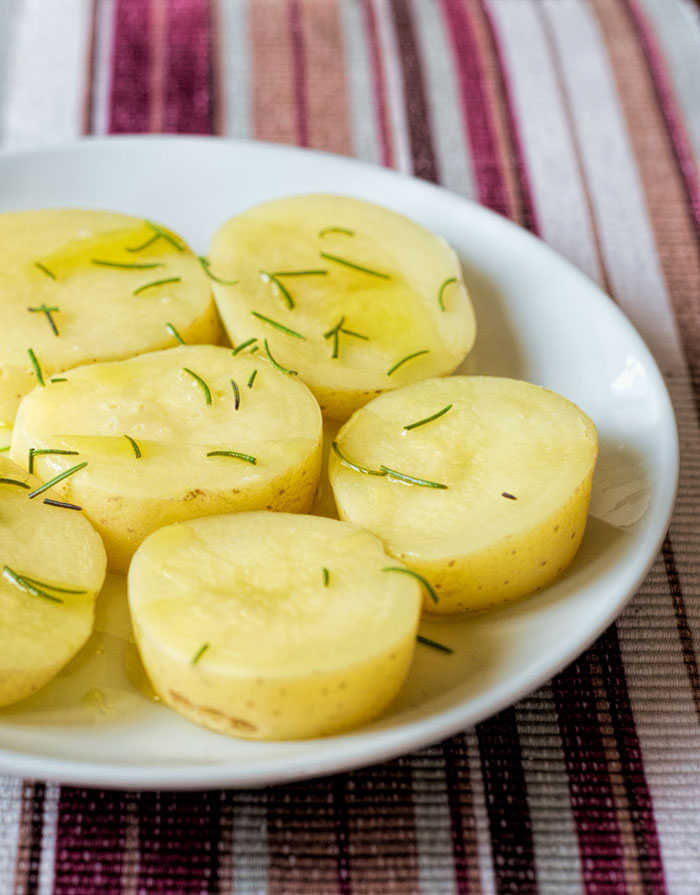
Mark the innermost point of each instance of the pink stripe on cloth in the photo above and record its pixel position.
(299, 68)
(190, 82)
(379, 84)
(129, 110)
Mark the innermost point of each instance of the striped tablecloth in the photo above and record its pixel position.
(579, 120)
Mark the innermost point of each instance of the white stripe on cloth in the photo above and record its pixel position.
(432, 822)
(10, 812)
(46, 73)
(52, 794)
(234, 53)
(251, 856)
(102, 67)
(8, 19)
(395, 98)
(481, 817)
(658, 684)
(443, 101)
(358, 74)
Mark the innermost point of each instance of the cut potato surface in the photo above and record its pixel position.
(82, 286)
(270, 625)
(501, 472)
(171, 435)
(52, 565)
(373, 300)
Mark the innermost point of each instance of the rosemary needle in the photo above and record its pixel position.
(156, 283)
(207, 270)
(412, 480)
(275, 364)
(442, 289)
(434, 644)
(26, 585)
(426, 584)
(428, 419)
(403, 360)
(354, 266)
(37, 367)
(58, 379)
(6, 481)
(271, 278)
(344, 460)
(45, 270)
(280, 326)
(201, 383)
(4, 448)
(235, 454)
(56, 479)
(34, 451)
(158, 233)
(60, 590)
(336, 230)
(236, 394)
(509, 496)
(125, 265)
(326, 577)
(300, 273)
(252, 378)
(242, 346)
(48, 311)
(174, 333)
(136, 449)
(200, 652)
(62, 503)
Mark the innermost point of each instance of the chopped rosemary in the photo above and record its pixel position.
(37, 368)
(336, 230)
(344, 460)
(28, 586)
(62, 503)
(236, 394)
(174, 333)
(350, 332)
(326, 577)
(45, 309)
(34, 451)
(280, 326)
(254, 349)
(136, 449)
(351, 264)
(426, 584)
(44, 269)
(509, 496)
(206, 267)
(60, 590)
(6, 481)
(251, 380)
(271, 278)
(156, 283)
(335, 333)
(242, 346)
(235, 454)
(428, 419)
(201, 383)
(334, 329)
(58, 379)
(300, 273)
(200, 652)
(434, 644)
(403, 360)
(442, 289)
(158, 233)
(275, 364)
(56, 479)
(4, 448)
(412, 480)
(125, 265)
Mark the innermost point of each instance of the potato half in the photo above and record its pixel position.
(172, 435)
(77, 287)
(502, 479)
(375, 300)
(52, 565)
(272, 626)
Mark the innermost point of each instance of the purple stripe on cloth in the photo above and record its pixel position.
(422, 152)
(460, 800)
(685, 635)
(89, 842)
(299, 69)
(190, 83)
(631, 765)
(131, 68)
(178, 843)
(341, 824)
(506, 804)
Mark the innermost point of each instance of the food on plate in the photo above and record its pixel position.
(52, 565)
(353, 297)
(272, 625)
(84, 286)
(479, 484)
(170, 435)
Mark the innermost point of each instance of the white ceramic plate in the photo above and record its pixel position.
(539, 319)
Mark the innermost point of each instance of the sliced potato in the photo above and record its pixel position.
(364, 287)
(506, 477)
(66, 296)
(270, 625)
(176, 407)
(52, 565)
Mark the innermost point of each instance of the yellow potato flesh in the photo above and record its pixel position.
(98, 318)
(241, 631)
(60, 549)
(152, 399)
(398, 313)
(477, 546)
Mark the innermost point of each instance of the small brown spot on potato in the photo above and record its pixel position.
(544, 562)
(450, 563)
(343, 685)
(281, 490)
(556, 528)
(192, 494)
(573, 535)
